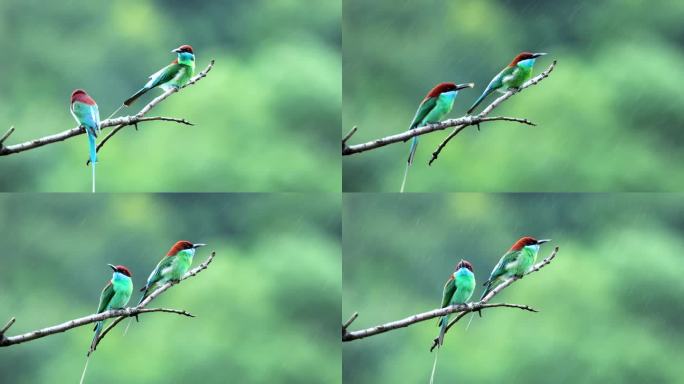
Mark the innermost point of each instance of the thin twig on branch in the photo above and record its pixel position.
(118, 122)
(119, 313)
(459, 123)
(463, 309)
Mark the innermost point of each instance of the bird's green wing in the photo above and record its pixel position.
(497, 81)
(425, 107)
(105, 297)
(156, 274)
(164, 75)
(500, 268)
(449, 290)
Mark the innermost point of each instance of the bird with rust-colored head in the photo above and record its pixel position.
(457, 290)
(84, 109)
(516, 262)
(115, 295)
(436, 104)
(513, 76)
(174, 75)
(172, 267)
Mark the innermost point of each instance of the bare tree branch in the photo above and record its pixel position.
(463, 309)
(119, 313)
(459, 123)
(118, 122)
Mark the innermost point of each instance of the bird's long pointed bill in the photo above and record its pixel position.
(539, 54)
(198, 245)
(543, 241)
(463, 86)
(112, 267)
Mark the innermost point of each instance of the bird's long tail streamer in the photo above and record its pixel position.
(115, 112)
(472, 314)
(93, 166)
(434, 365)
(84, 369)
(412, 154)
(403, 183)
(130, 320)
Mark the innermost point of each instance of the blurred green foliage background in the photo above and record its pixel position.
(267, 308)
(266, 117)
(609, 117)
(610, 303)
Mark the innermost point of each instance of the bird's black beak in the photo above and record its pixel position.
(542, 241)
(112, 267)
(176, 50)
(198, 245)
(463, 86)
(535, 55)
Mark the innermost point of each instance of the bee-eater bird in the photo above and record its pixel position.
(516, 262)
(115, 295)
(85, 111)
(436, 104)
(172, 267)
(513, 76)
(174, 75)
(457, 290)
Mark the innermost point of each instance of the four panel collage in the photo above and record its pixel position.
(341, 191)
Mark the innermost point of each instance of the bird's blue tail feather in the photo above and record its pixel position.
(412, 151)
(479, 100)
(93, 148)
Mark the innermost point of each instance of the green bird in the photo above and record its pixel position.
(115, 295)
(436, 104)
(172, 267)
(174, 75)
(516, 262)
(513, 76)
(457, 290)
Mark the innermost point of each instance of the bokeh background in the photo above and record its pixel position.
(610, 302)
(267, 308)
(609, 117)
(267, 116)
